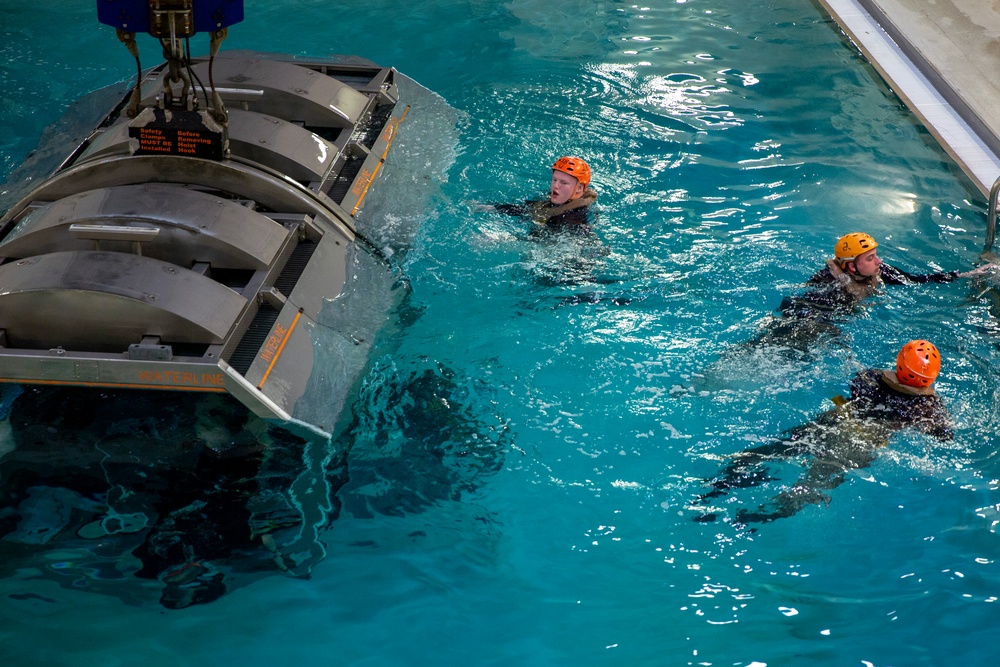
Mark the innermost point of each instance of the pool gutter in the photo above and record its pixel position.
(939, 93)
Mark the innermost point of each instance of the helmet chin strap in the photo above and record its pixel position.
(857, 277)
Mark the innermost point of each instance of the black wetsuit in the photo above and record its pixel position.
(827, 297)
(804, 318)
(573, 216)
(845, 438)
(872, 399)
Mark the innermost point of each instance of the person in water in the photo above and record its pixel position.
(842, 439)
(854, 273)
(857, 271)
(567, 207)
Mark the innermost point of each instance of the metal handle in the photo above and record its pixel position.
(98, 233)
(991, 216)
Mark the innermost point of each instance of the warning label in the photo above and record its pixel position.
(167, 132)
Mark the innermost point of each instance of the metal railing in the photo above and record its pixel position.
(991, 217)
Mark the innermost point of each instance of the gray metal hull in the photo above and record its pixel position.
(128, 268)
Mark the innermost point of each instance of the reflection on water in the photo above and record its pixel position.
(190, 497)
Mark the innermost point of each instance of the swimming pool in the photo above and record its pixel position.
(523, 456)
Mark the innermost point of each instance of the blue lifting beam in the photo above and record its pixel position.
(140, 15)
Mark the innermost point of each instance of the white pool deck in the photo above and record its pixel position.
(942, 58)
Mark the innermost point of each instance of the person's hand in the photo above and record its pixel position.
(984, 270)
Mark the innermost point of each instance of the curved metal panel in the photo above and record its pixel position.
(193, 226)
(280, 145)
(104, 301)
(271, 190)
(291, 91)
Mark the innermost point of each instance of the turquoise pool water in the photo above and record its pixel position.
(515, 487)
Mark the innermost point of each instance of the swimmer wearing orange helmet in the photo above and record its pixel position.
(570, 178)
(569, 199)
(846, 438)
(856, 261)
(917, 366)
(855, 272)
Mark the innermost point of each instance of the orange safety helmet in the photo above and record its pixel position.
(850, 246)
(918, 364)
(575, 167)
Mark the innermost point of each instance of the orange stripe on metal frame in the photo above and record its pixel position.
(280, 348)
(395, 127)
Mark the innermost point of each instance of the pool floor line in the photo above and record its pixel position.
(945, 114)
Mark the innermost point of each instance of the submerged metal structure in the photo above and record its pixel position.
(192, 240)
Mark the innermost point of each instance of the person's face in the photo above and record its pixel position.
(868, 263)
(564, 188)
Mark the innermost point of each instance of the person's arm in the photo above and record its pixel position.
(983, 270)
(893, 276)
(827, 275)
(936, 421)
(513, 209)
(942, 432)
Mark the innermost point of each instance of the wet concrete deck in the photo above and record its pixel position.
(942, 58)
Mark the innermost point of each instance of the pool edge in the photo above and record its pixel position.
(922, 88)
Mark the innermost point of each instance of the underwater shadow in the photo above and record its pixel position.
(180, 499)
(190, 495)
